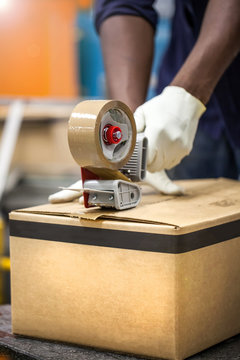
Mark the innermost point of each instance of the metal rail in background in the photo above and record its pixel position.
(8, 142)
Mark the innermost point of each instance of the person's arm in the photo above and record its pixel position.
(215, 49)
(127, 45)
(170, 119)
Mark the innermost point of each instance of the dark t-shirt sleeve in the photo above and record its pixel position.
(142, 8)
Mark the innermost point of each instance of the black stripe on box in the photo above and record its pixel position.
(131, 240)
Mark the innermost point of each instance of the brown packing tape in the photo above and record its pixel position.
(108, 174)
(84, 134)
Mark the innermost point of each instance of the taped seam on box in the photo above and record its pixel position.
(129, 240)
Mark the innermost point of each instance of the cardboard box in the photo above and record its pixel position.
(42, 148)
(160, 280)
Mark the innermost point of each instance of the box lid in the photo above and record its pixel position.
(208, 214)
(206, 203)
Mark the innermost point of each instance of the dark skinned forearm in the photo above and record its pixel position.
(215, 49)
(127, 45)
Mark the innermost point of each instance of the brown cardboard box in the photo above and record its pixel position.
(160, 280)
(42, 148)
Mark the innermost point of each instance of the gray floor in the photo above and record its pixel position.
(17, 348)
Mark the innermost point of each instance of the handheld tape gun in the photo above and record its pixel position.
(102, 139)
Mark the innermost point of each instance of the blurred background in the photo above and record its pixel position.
(50, 59)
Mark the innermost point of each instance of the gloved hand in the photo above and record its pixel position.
(68, 194)
(170, 122)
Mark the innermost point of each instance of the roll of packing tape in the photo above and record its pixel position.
(101, 134)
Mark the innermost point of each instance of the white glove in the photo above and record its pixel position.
(170, 122)
(68, 194)
(161, 182)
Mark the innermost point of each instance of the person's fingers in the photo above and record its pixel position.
(139, 119)
(81, 200)
(67, 195)
(161, 182)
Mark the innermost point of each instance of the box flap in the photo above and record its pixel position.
(208, 201)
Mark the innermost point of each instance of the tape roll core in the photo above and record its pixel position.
(85, 134)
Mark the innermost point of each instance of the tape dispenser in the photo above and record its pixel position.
(102, 140)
